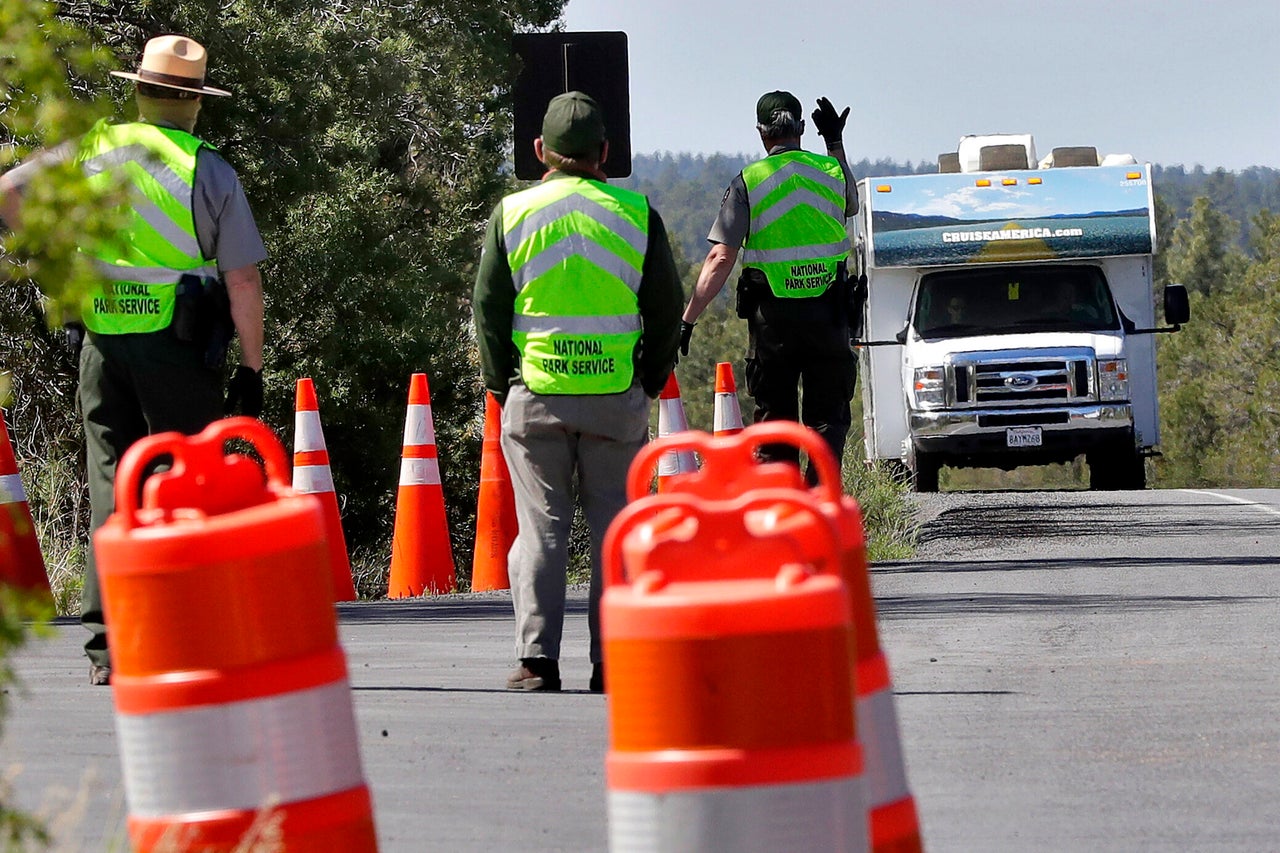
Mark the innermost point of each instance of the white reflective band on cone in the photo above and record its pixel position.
(813, 817)
(727, 414)
(676, 462)
(241, 755)
(877, 720)
(419, 472)
(671, 417)
(11, 489)
(307, 433)
(312, 479)
(418, 428)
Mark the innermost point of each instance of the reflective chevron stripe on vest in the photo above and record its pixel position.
(797, 233)
(576, 249)
(159, 244)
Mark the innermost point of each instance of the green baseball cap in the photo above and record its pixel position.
(771, 102)
(573, 125)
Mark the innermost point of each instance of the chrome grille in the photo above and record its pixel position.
(1021, 382)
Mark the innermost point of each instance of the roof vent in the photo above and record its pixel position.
(1020, 152)
(1077, 155)
(993, 158)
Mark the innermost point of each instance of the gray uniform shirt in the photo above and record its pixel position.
(733, 223)
(225, 228)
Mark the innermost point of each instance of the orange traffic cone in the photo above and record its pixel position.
(421, 557)
(495, 509)
(21, 563)
(312, 476)
(671, 420)
(728, 417)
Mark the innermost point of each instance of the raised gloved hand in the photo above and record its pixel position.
(245, 390)
(686, 332)
(829, 123)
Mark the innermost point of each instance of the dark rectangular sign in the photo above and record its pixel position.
(555, 63)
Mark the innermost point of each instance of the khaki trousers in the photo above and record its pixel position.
(554, 444)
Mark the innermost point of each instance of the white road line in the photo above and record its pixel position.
(1267, 509)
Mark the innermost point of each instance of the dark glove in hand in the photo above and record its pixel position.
(686, 332)
(830, 125)
(245, 390)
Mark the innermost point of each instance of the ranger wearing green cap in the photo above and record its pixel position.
(577, 310)
(786, 213)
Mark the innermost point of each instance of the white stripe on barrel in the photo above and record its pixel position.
(877, 728)
(810, 817)
(240, 755)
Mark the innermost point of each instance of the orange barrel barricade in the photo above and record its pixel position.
(718, 739)
(233, 711)
(21, 563)
(729, 468)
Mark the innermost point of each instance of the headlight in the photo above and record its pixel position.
(1113, 379)
(930, 388)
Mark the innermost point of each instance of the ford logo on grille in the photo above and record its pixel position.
(1020, 381)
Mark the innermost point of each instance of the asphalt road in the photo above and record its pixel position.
(1073, 671)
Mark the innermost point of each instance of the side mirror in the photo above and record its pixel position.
(901, 337)
(1177, 307)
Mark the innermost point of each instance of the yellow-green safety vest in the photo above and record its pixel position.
(576, 248)
(141, 270)
(797, 235)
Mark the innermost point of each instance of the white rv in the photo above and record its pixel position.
(1009, 313)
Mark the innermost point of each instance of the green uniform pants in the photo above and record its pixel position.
(132, 386)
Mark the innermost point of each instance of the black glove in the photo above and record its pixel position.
(245, 390)
(686, 332)
(830, 125)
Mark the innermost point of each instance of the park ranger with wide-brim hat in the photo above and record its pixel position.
(180, 280)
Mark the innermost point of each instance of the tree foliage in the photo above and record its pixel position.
(1220, 376)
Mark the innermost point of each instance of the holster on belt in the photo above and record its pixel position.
(202, 316)
(751, 285)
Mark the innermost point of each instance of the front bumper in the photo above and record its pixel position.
(977, 437)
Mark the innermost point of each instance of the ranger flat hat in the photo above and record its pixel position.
(175, 62)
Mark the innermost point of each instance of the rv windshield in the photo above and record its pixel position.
(1012, 300)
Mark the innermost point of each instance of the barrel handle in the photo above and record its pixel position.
(652, 506)
(206, 447)
(745, 444)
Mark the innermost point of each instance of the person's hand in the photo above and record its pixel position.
(686, 332)
(829, 123)
(245, 390)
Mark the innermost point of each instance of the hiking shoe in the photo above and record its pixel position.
(99, 675)
(597, 678)
(535, 674)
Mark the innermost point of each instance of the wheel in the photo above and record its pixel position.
(924, 472)
(1116, 469)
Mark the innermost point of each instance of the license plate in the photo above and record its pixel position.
(1023, 437)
